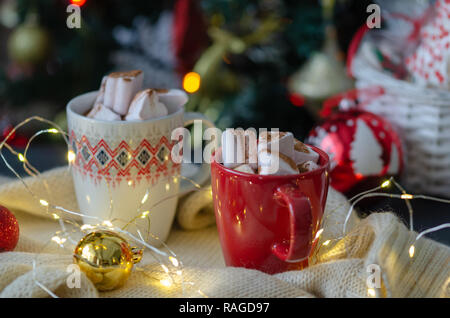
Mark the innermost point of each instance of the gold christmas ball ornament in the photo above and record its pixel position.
(106, 258)
(29, 44)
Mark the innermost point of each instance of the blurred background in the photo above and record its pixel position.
(255, 58)
(256, 63)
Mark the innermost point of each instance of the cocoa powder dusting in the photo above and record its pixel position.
(299, 146)
(133, 73)
(288, 160)
(302, 168)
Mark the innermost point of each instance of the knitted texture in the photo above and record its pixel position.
(339, 269)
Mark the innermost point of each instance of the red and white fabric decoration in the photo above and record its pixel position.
(428, 65)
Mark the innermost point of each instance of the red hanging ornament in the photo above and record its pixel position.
(189, 33)
(9, 230)
(364, 148)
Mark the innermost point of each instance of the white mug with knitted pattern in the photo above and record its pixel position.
(123, 169)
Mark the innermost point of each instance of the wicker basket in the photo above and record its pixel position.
(422, 118)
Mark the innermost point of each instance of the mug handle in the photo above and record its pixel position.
(300, 219)
(203, 172)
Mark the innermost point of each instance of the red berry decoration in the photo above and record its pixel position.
(363, 147)
(9, 230)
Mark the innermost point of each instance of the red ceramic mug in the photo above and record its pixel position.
(268, 222)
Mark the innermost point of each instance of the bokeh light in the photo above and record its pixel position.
(191, 82)
(78, 2)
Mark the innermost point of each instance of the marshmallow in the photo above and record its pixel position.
(272, 140)
(239, 147)
(273, 163)
(101, 92)
(120, 88)
(251, 149)
(146, 105)
(307, 166)
(245, 168)
(100, 111)
(303, 153)
(172, 98)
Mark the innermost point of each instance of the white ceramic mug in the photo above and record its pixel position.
(124, 168)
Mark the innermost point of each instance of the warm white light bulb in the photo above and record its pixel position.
(108, 223)
(386, 184)
(71, 156)
(86, 227)
(165, 282)
(58, 240)
(319, 232)
(174, 261)
(412, 250)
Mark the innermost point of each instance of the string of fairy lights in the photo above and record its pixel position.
(171, 266)
(372, 292)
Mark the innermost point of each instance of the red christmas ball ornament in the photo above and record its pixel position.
(363, 147)
(9, 230)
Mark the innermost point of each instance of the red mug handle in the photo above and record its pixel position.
(300, 225)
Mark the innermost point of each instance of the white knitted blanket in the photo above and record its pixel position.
(341, 268)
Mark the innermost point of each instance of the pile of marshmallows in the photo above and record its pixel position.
(120, 98)
(275, 153)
